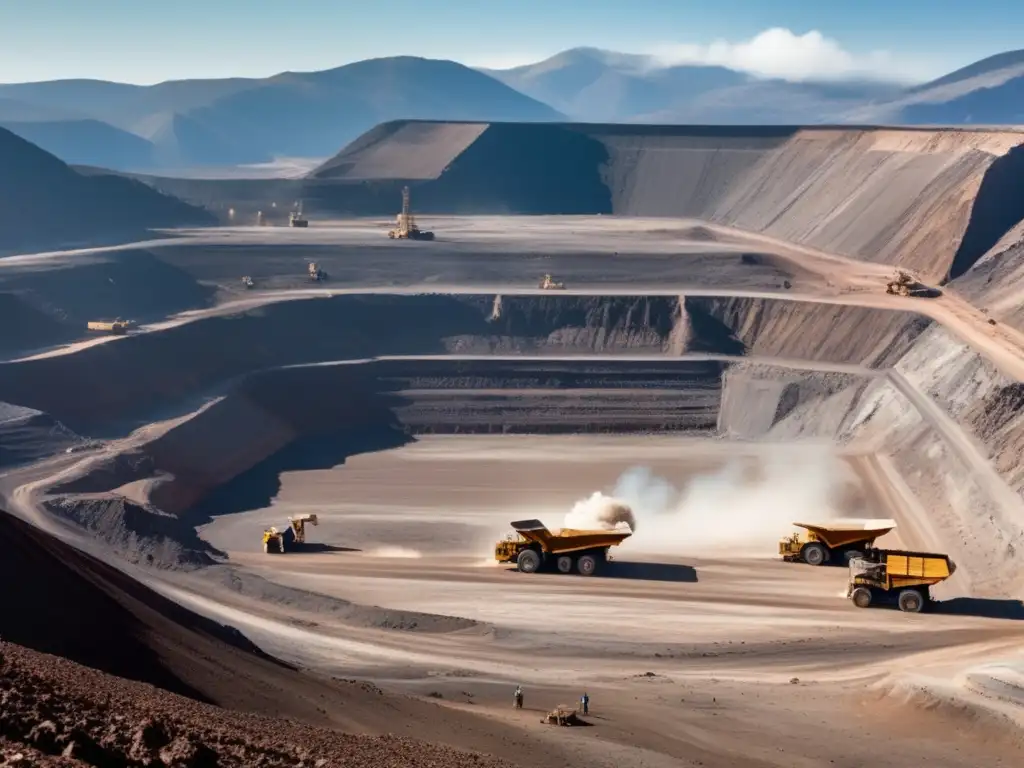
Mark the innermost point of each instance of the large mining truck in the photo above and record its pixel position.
(117, 326)
(292, 537)
(820, 543)
(888, 575)
(905, 284)
(405, 224)
(534, 548)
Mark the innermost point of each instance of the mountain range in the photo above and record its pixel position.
(43, 202)
(243, 121)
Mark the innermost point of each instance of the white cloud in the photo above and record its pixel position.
(779, 52)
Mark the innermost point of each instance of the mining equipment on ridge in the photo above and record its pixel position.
(292, 537)
(405, 224)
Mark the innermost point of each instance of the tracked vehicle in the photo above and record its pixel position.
(534, 548)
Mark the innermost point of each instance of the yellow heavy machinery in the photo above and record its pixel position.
(533, 548)
(292, 537)
(316, 274)
(296, 219)
(905, 284)
(882, 575)
(820, 543)
(117, 326)
(405, 225)
(547, 283)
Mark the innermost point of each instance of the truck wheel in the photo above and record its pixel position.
(861, 597)
(911, 601)
(586, 565)
(564, 564)
(528, 561)
(814, 554)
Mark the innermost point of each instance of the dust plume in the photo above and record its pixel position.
(396, 552)
(742, 508)
(600, 512)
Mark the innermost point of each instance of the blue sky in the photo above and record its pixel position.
(148, 41)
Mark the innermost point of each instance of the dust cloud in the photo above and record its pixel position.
(396, 552)
(743, 508)
(600, 512)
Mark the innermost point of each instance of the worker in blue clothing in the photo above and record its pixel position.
(585, 702)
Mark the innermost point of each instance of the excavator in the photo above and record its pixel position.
(405, 225)
(292, 537)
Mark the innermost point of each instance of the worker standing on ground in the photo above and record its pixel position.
(585, 703)
(519, 697)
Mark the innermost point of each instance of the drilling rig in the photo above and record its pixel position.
(296, 219)
(406, 228)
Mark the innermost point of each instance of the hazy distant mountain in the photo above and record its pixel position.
(221, 122)
(45, 203)
(86, 141)
(988, 92)
(604, 86)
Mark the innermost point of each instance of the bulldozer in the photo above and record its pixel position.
(547, 283)
(296, 219)
(316, 274)
(294, 536)
(905, 284)
(405, 224)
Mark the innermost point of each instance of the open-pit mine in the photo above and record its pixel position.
(722, 357)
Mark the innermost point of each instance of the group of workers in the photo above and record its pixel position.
(584, 700)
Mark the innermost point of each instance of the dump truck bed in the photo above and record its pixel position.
(568, 539)
(838, 533)
(903, 564)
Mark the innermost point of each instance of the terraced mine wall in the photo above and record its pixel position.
(137, 378)
(932, 200)
(942, 421)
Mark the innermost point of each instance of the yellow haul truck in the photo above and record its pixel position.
(533, 547)
(883, 575)
(824, 542)
(275, 541)
(117, 326)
